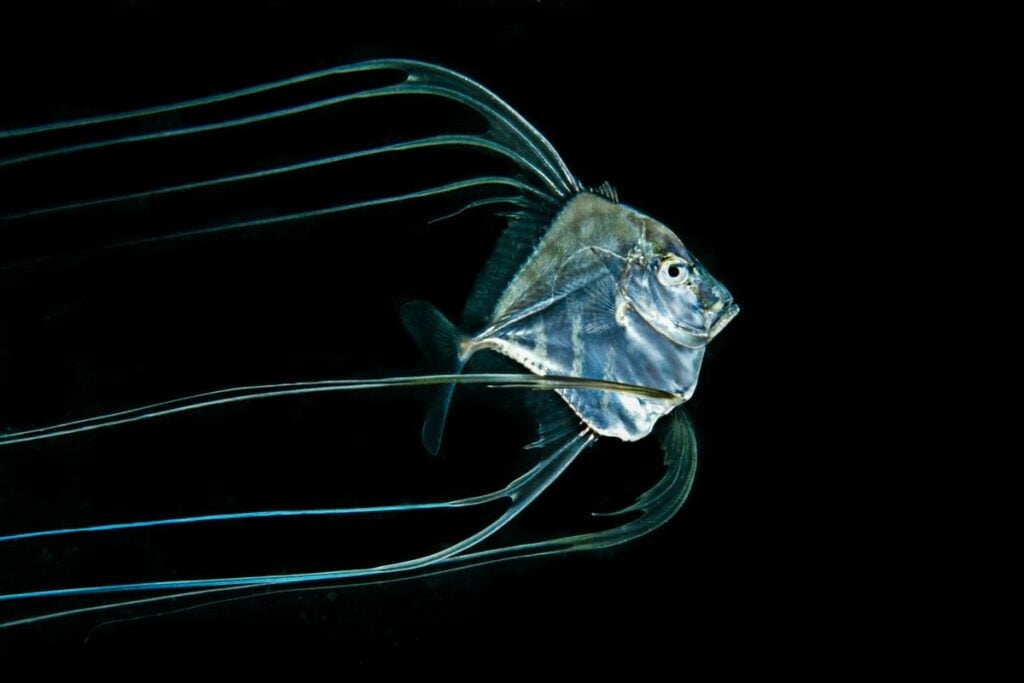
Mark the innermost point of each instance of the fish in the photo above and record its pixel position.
(608, 293)
(592, 300)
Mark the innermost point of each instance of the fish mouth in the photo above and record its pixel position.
(716, 319)
(723, 319)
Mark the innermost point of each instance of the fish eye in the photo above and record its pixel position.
(673, 272)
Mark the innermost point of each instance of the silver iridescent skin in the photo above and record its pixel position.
(610, 294)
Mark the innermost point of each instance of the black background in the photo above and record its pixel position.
(748, 133)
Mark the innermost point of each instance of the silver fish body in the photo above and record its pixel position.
(610, 294)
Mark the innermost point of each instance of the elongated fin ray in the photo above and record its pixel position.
(526, 490)
(457, 186)
(419, 143)
(506, 125)
(219, 397)
(507, 492)
(655, 507)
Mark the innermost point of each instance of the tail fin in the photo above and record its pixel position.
(440, 340)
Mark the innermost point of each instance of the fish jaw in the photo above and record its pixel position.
(715, 322)
(723, 318)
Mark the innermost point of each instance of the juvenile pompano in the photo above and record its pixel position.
(581, 289)
(607, 293)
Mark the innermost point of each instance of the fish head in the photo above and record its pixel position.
(666, 285)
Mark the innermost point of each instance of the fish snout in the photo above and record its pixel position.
(716, 303)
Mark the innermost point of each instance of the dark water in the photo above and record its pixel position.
(713, 127)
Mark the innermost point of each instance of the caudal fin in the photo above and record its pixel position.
(440, 340)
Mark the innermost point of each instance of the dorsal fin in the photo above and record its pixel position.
(527, 224)
(608, 191)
